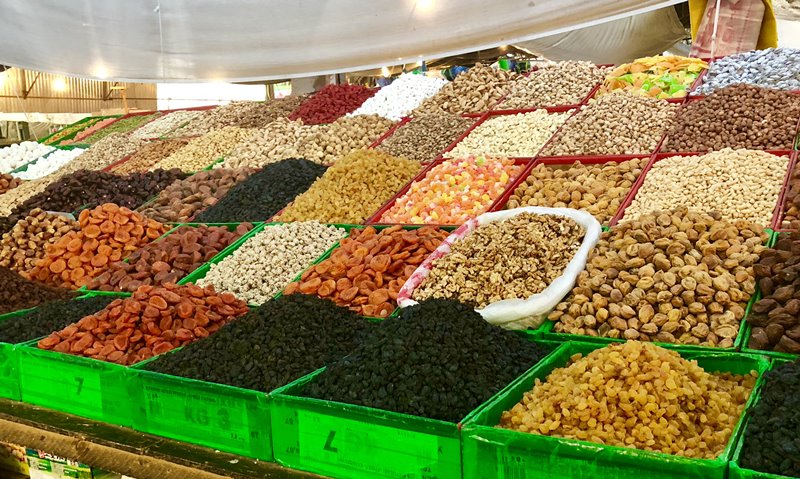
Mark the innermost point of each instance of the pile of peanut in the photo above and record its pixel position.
(599, 188)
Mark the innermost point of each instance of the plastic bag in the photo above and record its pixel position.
(515, 313)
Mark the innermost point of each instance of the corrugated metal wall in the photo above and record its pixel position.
(79, 96)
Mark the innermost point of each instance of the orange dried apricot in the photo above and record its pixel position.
(58, 266)
(327, 288)
(99, 260)
(92, 231)
(74, 262)
(122, 236)
(74, 245)
(107, 227)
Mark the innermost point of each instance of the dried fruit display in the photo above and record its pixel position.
(169, 259)
(264, 193)
(771, 435)
(151, 322)
(775, 318)
(510, 259)
(425, 136)
(669, 276)
(599, 188)
(181, 200)
(310, 333)
(107, 234)
(453, 191)
(8, 183)
(738, 116)
(18, 293)
(48, 317)
(331, 103)
(738, 184)
(649, 397)
(256, 277)
(352, 189)
(367, 270)
(655, 77)
(555, 84)
(28, 240)
(463, 359)
(474, 91)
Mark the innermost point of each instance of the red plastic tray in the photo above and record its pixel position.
(556, 161)
(375, 218)
(660, 156)
(551, 109)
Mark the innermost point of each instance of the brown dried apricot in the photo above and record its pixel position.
(311, 286)
(99, 260)
(380, 263)
(343, 284)
(327, 288)
(122, 236)
(74, 245)
(109, 208)
(349, 294)
(158, 302)
(291, 289)
(378, 296)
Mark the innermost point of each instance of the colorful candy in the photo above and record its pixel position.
(453, 191)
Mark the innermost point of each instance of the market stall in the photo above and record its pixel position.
(582, 271)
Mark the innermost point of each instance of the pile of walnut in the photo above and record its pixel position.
(674, 277)
(511, 259)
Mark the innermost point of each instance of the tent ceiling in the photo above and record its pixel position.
(245, 40)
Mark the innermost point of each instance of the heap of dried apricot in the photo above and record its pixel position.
(151, 322)
(107, 234)
(369, 267)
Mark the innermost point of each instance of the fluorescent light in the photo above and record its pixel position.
(59, 84)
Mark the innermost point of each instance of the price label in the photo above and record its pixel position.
(333, 443)
(193, 413)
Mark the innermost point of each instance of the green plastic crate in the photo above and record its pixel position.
(491, 452)
(74, 384)
(738, 472)
(218, 416)
(9, 363)
(343, 440)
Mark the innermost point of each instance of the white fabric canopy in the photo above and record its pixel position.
(245, 40)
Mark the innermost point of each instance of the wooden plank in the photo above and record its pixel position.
(125, 451)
